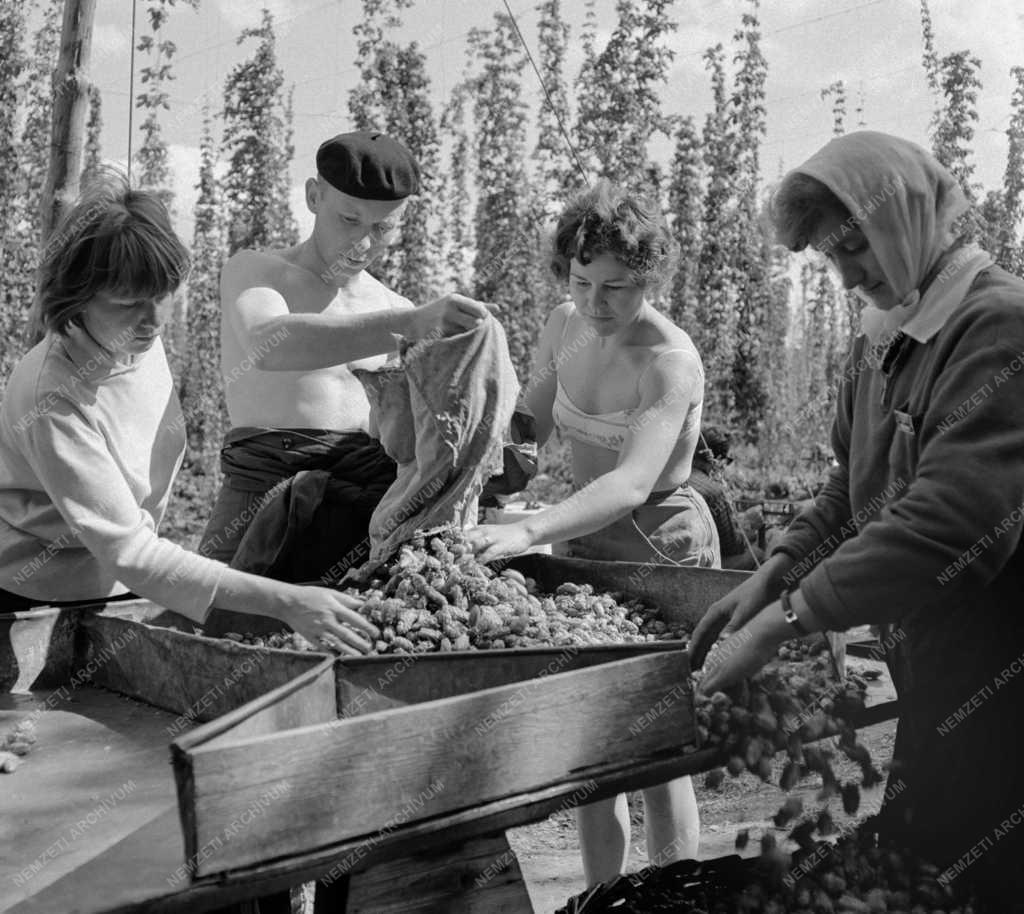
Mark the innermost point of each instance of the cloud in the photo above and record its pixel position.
(184, 161)
(244, 14)
(184, 166)
(994, 33)
(303, 216)
(109, 41)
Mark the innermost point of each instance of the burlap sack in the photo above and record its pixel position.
(442, 417)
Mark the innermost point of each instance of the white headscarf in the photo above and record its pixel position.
(905, 202)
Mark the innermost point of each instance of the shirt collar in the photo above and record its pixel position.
(947, 289)
(93, 362)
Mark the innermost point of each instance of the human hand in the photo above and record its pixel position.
(729, 614)
(448, 315)
(746, 651)
(490, 542)
(327, 618)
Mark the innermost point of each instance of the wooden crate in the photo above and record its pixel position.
(402, 722)
(680, 594)
(371, 773)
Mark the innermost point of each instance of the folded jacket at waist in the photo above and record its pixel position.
(255, 459)
(656, 498)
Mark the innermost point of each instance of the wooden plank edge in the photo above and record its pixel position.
(194, 744)
(353, 691)
(99, 620)
(449, 830)
(216, 891)
(77, 609)
(220, 792)
(119, 609)
(102, 637)
(182, 747)
(540, 651)
(578, 571)
(193, 740)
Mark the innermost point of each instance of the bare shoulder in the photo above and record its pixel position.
(664, 338)
(558, 318)
(247, 269)
(666, 351)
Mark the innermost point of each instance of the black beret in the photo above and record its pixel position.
(368, 165)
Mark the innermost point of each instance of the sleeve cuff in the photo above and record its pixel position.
(191, 591)
(823, 602)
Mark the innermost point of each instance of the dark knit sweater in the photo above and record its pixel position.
(919, 529)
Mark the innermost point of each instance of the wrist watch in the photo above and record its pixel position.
(789, 614)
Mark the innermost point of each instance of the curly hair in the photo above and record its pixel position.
(114, 239)
(608, 219)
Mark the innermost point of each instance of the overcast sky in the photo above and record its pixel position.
(874, 45)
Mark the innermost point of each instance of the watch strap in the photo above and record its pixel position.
(789, 614)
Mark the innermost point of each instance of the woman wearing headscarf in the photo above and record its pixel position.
(918, 528)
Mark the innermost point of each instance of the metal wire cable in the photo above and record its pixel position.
(131, 91)
(547, 95)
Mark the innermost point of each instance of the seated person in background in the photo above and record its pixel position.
(519, 461)
(712, 450)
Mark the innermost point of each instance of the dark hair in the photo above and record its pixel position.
(797, 206)
(115, 240)
(608, 219)
(713, 446)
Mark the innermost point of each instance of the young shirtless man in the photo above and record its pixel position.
(296, 321)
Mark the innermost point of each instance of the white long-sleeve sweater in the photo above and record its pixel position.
(89, 449)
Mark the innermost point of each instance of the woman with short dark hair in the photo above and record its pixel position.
(92, 435)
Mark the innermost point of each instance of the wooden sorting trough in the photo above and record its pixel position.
(412, 737)
(384, 758)
(367, 774)
(287, 766)
(416, 737)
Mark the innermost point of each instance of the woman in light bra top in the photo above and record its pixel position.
(625, 385)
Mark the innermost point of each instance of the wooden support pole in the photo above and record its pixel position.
(70, 107)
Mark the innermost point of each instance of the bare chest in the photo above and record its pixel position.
(600, 385)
